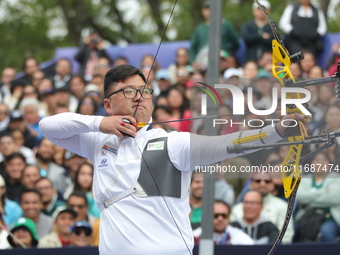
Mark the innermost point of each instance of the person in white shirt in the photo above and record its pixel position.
(274, 208)
(304, 26)
(223, 232)
(142, 175)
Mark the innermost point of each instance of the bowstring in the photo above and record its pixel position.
(153, 177)
(154, 59)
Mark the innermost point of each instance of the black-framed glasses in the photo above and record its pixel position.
(86, 231)
(224, 215)
(131, 93)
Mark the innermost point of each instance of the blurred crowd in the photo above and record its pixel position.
(46, 192)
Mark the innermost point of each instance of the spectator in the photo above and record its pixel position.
(29, 108)
(183, 77)
(195, 200)
(81, 232)
(47, 167)
(77, 85)
(274, 208)
(250, 72)
(332, 122)
(72, 162)
(257, 33)
(162, 113)
(120, 61)
(32, 204)
(17, 88)
(45, 85)
(87, 105)
(98, 80)
(25, 233)
(149, 61)
(64, 97)
(89, 53)
(8, 146)
(163, 81)
(17, 122)
(179, 109)
(102, 66)
(4, 116)
(332, 67)
(30, 66)
(30, 175)
(319, 195)
(37, 78)
(61, 236)
(96, 94)
(4, 244)
(296, 71)
(256, 226)
(223, 190)
(294, 21)
(182, 59)
(49, 196)
(15, 164)
(10, 211)
(48, 97)
(200, 37)
(78, 202)
(7, 76)
(149, 72)
(63, 70)
(307, 63)
(83, 183)
(223, 232)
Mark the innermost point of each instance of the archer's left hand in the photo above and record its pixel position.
(284, 122)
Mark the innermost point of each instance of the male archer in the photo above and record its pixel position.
(142, 175)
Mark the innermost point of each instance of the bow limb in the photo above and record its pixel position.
(291, 176)
(282, 61)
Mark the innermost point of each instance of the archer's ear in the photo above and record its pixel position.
(107, 106)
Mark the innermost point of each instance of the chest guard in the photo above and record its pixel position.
(165, 178)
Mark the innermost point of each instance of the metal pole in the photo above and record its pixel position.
(206, 246)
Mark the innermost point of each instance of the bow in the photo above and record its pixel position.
(282, 61)
(291, 179)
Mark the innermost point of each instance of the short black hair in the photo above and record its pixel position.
(80, 194)
(13, 156)
(120, 74)
(27, 190)
(220, 201)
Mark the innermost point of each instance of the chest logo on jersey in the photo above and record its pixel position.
(107, 148)
(155, 146)
(103, 163)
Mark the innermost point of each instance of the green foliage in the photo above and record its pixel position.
(26, 26)
(333, 23)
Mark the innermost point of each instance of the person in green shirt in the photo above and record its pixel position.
(321, 191)
(195, 200)
(229, 38)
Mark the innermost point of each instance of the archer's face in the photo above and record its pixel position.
(117, 104)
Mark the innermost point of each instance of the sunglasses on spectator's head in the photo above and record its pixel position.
(262, 180)
(86, 231)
